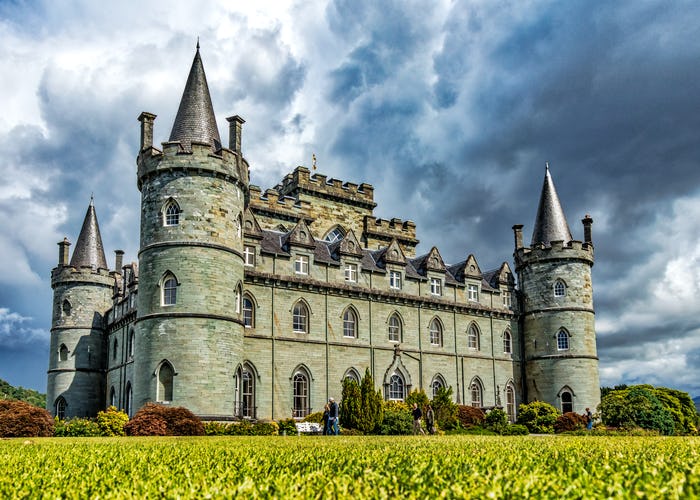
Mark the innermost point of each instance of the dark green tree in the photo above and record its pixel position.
(371, 411)
(351, 404)
(445, 409)
(638, 406)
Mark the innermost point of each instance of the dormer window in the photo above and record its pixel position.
(301, 265)
(351, 273)
(473, 293)
(395, 280)
(249, 256)
(435, 286)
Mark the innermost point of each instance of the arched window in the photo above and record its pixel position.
(300, 318)
(397, 388)
(131, 344)
(567, 402)
(171, 213)
(473, 337)
(349, 323)
(239, 226)
(129, 400)
(112, 397)
(507, 347)
(334, 235)
(300, 395)
(246, 391)
(510, 402)
(435, 329)
(165, 382)
(563, 340)
(559, 288)
(115, 350)
(438, 383)
(237, 299)
(60, 408)
(352, 374)
(395, 328)
(248, 312)
(169, 290)
(476, 392)
(63, 353)
(66, 307)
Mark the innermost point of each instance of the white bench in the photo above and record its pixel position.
(308, 428)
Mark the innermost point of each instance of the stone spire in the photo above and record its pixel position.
(88, 250)
(195, 120)
(550, 224)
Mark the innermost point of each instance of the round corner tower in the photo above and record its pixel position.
(82, 294)
(558, 319)
(189, 331)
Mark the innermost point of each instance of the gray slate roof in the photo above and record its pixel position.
(89, 250)
(550, 223)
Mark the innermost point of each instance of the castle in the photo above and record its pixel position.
(258, 304)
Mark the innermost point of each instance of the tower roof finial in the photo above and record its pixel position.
(197, 43)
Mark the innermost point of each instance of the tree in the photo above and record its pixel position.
(538, 417)
(639, 406)
(351, 404)
(445, 409)
(372, 409)
(30, 396)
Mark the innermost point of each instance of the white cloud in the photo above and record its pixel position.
(13, 333)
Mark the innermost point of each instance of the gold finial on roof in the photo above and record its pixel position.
(313, 157)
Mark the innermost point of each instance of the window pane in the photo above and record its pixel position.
(170, 292)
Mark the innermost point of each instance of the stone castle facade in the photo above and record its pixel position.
(258, 304)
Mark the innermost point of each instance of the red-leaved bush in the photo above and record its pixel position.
(569, 421)
(20, 419)
(159, 420)
(470, 416)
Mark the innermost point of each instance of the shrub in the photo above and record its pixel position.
(515, 430)
(496, 420)
(469, 416)
(372, 406)
(158, 420)
(81, 427)
(215, 428)
(445, 409)
(316, 417)
(20, 419)
(419, 397)
(569, 422)
(352, 404)
(287, 426)
(396, 422)
(538, 417)
(636, 406)
(112, 421)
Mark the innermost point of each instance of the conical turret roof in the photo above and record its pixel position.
(195, 120)
(89, 250)
(550, 224)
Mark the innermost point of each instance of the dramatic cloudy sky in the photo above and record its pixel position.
(449, 108)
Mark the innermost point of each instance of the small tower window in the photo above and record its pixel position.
(63, 353)
(567, 402)
(559, 288)
(60, 407)
(563, 340)
(172, 213)
(115, 349)
(507, 347)
(169, 291)
(165, 382)
(248, 312)
(66, 307)
(435, 329)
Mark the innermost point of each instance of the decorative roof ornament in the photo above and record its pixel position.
(550, 223)
(195, 120)
(89, 251)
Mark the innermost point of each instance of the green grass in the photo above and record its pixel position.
(351, 467)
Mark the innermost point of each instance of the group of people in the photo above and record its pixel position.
(429, 419)
(330, 418)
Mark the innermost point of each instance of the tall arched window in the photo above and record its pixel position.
(60, 408)
(66, 307)
(129, 399)
(563, 340)
(350, 323)
(567, 402)
(352, 374)
(473, 337)
(112, 397)
(237, 299)
(435, 329)
(300, 395)
(165, 382)
(510, 402)
(246, 391)
(438, 383)
(476, 392)
(397, 388)
(248, 312)
(171, 213)
(169, 287)
(559, 288)
(395, 328)
(63, 353)
(131, 344)
(115, 350)
(507, 347)
(300, 318)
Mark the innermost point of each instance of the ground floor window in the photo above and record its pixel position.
(301, 395)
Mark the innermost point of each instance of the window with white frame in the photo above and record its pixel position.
(507, 300)
(300, 318)
(475, 391)
(395, 280)
(335, 235)
(300, 394)
(169, 291)
(435, 329)
(559, 288)
(301, 264)
(60, 408)
(394, 328)
(248, 312)
(473, 293)
(350, 323)
(249, 256)
(510, 403)
(172, 214)
(435, 286)
(351, 273)
(507, 347)
(397, 388)
(563, 340)
(438, 383)
(473, 338)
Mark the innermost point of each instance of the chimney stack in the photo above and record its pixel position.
(63, 252)
(119, 256)
(587, 222)
(146, 120)
(518, 233)
(234, 133)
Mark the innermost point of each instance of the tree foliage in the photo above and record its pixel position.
(30, 396)
(570, 421)
(21, 419)
(496, 420)
(351, 404)
(372, 407)
(538, 417)
(112, 421)
(445, 409)
(419, 397)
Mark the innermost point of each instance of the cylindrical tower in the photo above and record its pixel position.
(559, 338)
(83, 292)
(189, 332)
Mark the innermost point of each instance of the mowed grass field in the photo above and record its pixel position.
(351, 467)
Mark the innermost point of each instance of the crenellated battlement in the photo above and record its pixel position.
(391, 228)
(558, 250)
(302, 181)
(62, 274)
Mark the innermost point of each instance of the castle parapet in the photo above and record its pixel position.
(302, 181)
(558, 250)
